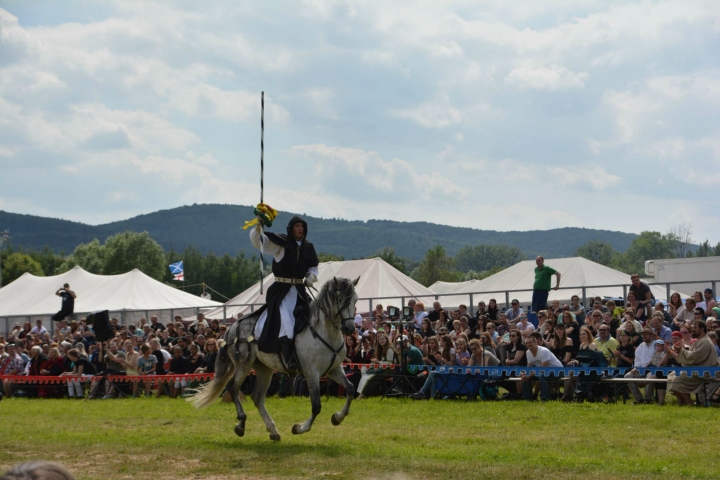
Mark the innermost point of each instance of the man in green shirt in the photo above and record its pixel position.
(413, 355)
(606, 344)
(541, 287)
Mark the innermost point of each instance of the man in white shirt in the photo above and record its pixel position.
(538, 356)
(643, 356)
(38, 329)
(524, 327)
(684, 314)
(64, 329)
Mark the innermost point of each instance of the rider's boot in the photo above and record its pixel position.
(287, 353)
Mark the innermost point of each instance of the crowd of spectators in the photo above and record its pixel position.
(636, 333)
(145, 348)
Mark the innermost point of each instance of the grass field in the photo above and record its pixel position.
(392, 439)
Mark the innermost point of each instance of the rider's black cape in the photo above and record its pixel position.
(298, 259)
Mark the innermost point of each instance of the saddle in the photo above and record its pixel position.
(242, 334)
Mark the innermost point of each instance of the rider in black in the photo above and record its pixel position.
(295, 267)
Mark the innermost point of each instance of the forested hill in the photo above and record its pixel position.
(218, 229)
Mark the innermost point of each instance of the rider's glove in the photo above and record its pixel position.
(310, 279)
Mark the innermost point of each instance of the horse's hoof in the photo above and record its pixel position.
(296, 429)
(275, 437)
(239, 430)
(336, 419)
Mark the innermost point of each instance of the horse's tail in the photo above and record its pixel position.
(224, 370)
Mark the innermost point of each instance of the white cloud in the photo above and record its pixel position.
(338, 168)
(588, 176)
(672, 148)
(435, 114)
(631, 112)
(6, 152)
(546, 78)
(123, 196)
(447, 50)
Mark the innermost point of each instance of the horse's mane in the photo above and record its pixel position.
(327, 298)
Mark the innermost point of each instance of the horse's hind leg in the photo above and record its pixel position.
(338, 375)
(313, 383)
(263, 377)
(241, 372)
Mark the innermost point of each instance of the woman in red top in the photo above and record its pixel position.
(54, 366)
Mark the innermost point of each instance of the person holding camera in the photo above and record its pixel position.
(68, 302)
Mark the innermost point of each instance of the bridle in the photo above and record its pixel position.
(316, 335)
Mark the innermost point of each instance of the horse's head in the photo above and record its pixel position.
(339, 302)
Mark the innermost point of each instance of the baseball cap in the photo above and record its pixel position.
(677, 334)
(659, 342)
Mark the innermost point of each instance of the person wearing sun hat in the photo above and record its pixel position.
(643, 358)
(701, 354)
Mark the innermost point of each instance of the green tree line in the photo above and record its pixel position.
(229, 275)
(121, 253)
(647, 246)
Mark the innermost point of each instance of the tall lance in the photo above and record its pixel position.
(262, 178)
(264, 214)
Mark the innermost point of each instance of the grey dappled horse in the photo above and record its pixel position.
(320, 351)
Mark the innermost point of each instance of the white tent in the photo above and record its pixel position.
(379, 283)
(125, 296)
(575, 272)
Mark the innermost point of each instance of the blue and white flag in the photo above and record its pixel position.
(177, 270)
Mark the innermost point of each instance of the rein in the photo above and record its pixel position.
(317, 336)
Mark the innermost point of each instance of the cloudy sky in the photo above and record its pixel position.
(494, 115)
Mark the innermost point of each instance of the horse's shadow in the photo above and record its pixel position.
(273, 450)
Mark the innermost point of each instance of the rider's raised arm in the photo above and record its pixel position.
(268, 247)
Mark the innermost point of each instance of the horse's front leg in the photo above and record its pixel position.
(313, 382)
(338, 375)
